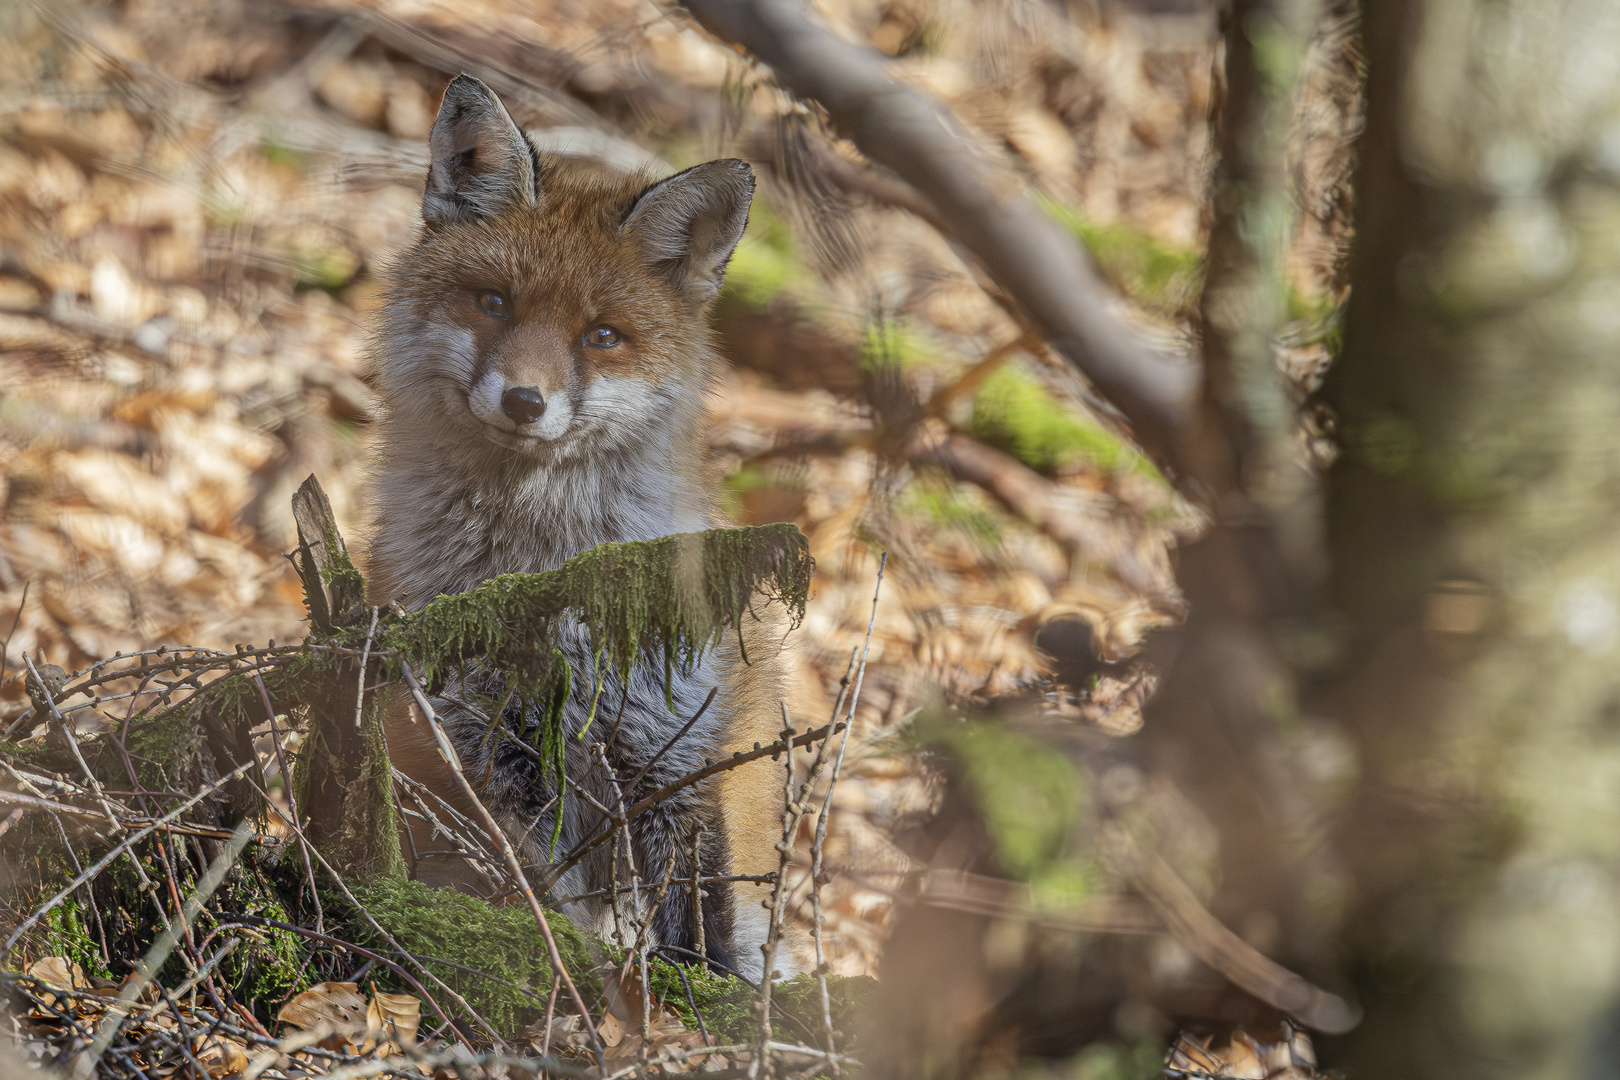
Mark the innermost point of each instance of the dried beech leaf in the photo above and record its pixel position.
(334, 1003)
(60, 972)
(220, 1056)
(391, 1022)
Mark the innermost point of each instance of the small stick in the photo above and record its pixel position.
(819, 843)
(551, 1006)
(15, 622)
(697, 890)
(792, 811)
(147, 970)
(292, 799)
(365, 658)
(73, 744)
(493, 828)
(740, 758)
(673, 739)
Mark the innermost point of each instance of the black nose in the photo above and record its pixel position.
(523, 403)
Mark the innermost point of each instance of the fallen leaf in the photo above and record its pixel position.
(219, 1055)
(391, 1022)
(334, 1003)
(58, 972)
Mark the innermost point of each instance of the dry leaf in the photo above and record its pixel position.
(219, 1055)
(391, 1022)
(334, 1003)
(59, 972)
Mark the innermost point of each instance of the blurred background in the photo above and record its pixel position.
(1297, 719)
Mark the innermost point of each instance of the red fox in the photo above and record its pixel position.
(544, 356)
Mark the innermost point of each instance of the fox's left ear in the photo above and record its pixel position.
(690, 223)
(482, 164)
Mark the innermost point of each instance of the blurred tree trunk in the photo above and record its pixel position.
(1474, 531)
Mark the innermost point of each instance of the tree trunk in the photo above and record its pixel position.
(1472, 521)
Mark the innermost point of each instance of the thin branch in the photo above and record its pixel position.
(819, 843)
(740, 758)
(1032, 257)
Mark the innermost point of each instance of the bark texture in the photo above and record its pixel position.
(1472, 522)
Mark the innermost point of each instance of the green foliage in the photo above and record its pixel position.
(727, 1003)
(163, 748)
(1014, 412)
(455, 928)
(65, 932)
(1115, 1061)
(270, 965)
(1161, 278)
(330, 268)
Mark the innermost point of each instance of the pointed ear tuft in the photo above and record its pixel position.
(690, 223)
(482, 164)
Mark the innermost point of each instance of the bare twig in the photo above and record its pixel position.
(292, 801)
(5, 645)
(513, 865)
(365, 657)
(792, 810)
(740, 758)
(818, 845)
(72, 741)
(1209, 940)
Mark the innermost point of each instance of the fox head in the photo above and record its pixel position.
(550, 309)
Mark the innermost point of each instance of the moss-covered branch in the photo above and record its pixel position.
(671, 599)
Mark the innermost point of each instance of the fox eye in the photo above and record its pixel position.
(602, 336)
(495, 304)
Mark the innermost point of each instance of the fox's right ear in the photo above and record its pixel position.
(482, 164)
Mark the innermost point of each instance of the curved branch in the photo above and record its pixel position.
(1023, 250)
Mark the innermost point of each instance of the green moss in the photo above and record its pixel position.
(1116, 1061)
(1014, 412)
(65, 932)
(766, 262)
(459, 929)
(952, 507)
(330, 269)
(727, 1003)
(163, 748)
(1030, 798)
(22, 755)
(1163, 279)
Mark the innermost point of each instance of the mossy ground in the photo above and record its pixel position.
(467, 936)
